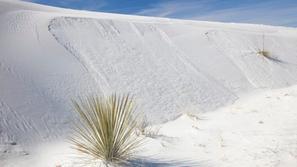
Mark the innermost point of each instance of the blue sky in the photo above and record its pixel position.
(273, 12)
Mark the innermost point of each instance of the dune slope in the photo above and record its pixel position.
(51, 55)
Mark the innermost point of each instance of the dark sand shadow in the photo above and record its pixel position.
(275, 59)
(165, 163)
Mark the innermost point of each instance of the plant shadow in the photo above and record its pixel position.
(274, 59)
(164, 163)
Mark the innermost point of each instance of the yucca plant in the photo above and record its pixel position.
(106, 128)
(262, 51)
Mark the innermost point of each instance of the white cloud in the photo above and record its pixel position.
(175, 7)
(78, 4)
(261, 14)
(264, 12)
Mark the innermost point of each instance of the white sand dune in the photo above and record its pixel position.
(51, 55)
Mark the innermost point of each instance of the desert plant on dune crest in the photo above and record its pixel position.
(262, 51)
(106, 128)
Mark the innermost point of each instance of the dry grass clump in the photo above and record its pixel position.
(106, 128)
(264, 53)
(144, 128)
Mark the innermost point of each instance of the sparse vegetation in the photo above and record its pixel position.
(106, 128)
(142, 125)
(262, 51)
(144, 128)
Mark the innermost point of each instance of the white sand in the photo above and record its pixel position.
(51, 55)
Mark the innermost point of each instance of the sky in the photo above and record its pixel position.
(271, 12)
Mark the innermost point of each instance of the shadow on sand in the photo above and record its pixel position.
(274, 59)
(165, 163)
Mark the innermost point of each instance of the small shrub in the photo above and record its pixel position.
(142, 125)
(264, 53)
(144, 128)
(106, 128)
(152, 133)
